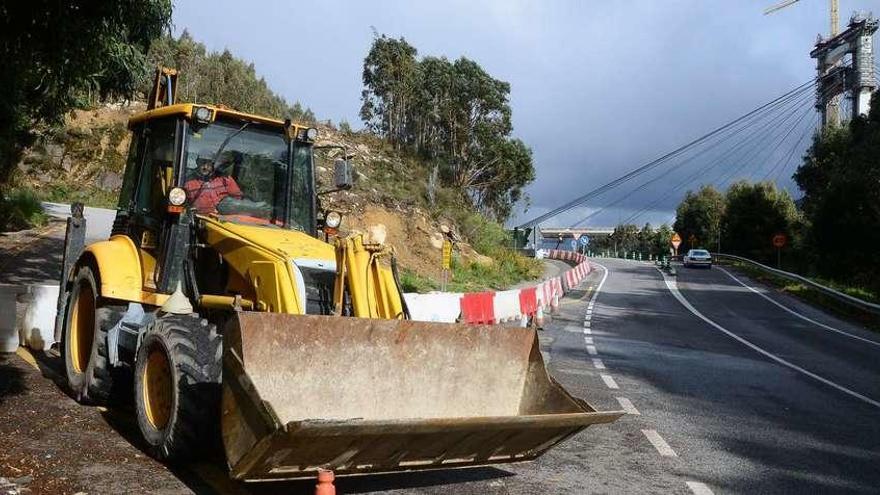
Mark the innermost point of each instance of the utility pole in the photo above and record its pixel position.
(834, 79)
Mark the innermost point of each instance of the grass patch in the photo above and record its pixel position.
(506, 269)
(20, 209)
(411, 281)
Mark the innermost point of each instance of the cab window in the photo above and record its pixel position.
(158, 164)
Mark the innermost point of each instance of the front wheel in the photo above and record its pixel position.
(177, 378)
(84, 339)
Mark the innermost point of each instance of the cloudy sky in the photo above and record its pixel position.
(597, 87)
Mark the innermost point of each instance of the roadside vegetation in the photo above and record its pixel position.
(21, 209)
(439, 130)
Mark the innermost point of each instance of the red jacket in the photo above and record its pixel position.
(204, 195)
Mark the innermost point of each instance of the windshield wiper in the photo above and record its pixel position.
(226, 141)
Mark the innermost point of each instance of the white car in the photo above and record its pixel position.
(698, 257)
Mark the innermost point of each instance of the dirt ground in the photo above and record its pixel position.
(50, 444)
(58, 446)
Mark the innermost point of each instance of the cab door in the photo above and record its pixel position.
(148, 220)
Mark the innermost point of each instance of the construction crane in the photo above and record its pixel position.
(833, 6)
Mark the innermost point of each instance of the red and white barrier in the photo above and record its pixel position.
(502, 306)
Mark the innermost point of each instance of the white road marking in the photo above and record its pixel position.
(698, 488)
(673, 288)
(591, 349)
(628, 406)
(587, 331)
(588, 340)
(803, 317)
(657, 441)
(609, 382)
(588, 324)
(598, 364)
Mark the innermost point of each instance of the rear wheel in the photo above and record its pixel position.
(84, 340)
(177, 386)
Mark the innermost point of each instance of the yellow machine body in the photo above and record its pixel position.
(366, 392)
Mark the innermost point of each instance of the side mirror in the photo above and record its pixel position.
(343, 174)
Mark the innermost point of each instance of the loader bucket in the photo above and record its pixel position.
(366, 395)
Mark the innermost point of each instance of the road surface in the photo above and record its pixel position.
(727, 393)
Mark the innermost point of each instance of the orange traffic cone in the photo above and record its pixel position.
(325, 483)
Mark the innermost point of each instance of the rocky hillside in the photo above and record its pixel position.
(84, 161)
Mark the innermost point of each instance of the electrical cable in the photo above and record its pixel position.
(654, 163)
(756, 133)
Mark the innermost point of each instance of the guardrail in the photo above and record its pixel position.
(836, 294)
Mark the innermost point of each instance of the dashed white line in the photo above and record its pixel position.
(657, 441)
(598, 364)
(591, 349)
(587, 331)
(628, 406)
(588, 340)
(698, 488)
(803, 317)
(609, 382)
(588, 324)
(673, 288)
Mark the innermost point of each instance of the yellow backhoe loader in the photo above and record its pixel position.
(218, 300)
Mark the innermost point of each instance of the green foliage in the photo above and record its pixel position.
(411, 281)
(841, 201)
(506, 269)
(63, 192)
(699, 215)
(453, 113)
(221, 78)
(754, 213)
(60, 55)
(20, 209)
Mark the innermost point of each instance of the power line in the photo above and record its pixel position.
(654, 163)
(735, 171)
(748, 140)
(756, 132)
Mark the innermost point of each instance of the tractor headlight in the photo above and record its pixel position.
(176, 196)
(333, 219)
(311, 134)
(202, 115)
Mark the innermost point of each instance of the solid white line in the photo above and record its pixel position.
(673, 288)
(657, 441)
(628, 406)
(698, 488)
(591, 349)
(803, 317)
(609, 382)
(599, 287)
(588, 340)
(599, 365)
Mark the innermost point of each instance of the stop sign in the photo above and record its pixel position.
(779, 240)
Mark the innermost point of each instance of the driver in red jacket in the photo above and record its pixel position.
(206, 190)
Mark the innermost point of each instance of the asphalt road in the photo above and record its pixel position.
(788, 408)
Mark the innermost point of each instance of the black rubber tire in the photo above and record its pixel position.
(94, 383)
(194, 350)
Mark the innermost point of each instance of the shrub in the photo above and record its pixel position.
(20, 208)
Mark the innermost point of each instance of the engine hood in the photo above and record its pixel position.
(288, 244)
